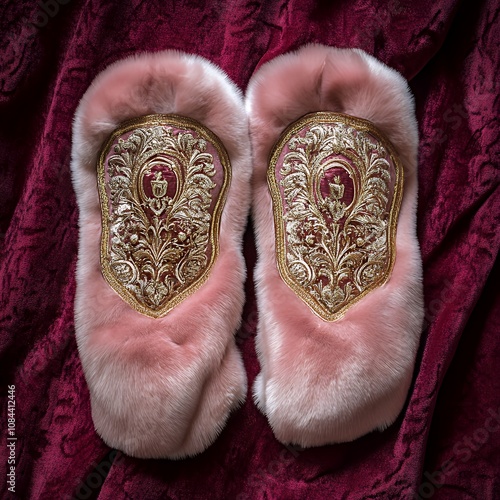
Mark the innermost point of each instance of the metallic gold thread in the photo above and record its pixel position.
(154, 247)
(309, 229)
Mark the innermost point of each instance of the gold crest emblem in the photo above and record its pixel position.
(162, 186)
(336, 185)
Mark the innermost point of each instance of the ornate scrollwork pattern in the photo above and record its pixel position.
(162, 183)
(336, 185)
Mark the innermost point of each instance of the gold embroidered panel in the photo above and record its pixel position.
(162, 186)
(336, 185)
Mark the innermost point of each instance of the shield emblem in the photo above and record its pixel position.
(336, 185)
(159, 186)
(162, 184)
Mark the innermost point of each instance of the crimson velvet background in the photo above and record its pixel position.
(445, 444)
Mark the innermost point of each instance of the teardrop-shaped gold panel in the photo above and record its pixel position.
(336, 184)
(162, 186)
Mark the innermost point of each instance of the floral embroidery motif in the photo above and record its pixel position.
(162, 184)
(336, 186)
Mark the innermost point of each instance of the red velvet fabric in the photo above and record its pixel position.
(445, 445)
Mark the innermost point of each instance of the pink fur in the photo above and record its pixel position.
(161, 387)
(324, 382)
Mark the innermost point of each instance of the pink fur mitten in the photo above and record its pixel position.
(338, 278)
(161, 170)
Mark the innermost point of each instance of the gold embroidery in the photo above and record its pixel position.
(162, 185)
(336, 185)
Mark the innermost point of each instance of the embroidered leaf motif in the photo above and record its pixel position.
(160, 200)
(336, 190)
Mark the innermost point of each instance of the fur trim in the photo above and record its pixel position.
(326, 382)
(161, 387)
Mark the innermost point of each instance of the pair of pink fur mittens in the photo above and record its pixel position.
(162, 168)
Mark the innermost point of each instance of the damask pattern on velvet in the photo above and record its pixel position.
(446, 443)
